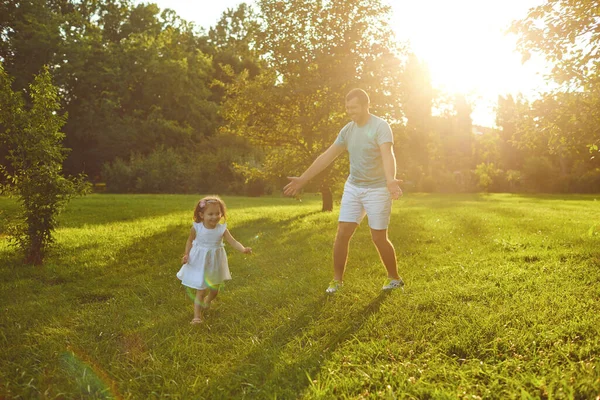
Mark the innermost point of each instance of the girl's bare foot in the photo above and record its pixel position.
(196, 321)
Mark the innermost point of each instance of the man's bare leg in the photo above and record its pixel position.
(386, 252)
(340, 248)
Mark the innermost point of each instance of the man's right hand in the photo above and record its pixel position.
(293, 188)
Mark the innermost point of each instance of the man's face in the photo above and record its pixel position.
(355, 110)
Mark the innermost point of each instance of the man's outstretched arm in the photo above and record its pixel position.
(320, 163)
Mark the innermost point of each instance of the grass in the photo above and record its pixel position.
(502, 301)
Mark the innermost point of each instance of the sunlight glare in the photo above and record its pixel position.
(464, 44)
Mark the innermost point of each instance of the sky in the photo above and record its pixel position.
(462, 41)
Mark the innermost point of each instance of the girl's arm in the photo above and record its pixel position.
(188, 245)
(235, 244)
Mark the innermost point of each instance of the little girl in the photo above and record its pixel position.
(205, 265)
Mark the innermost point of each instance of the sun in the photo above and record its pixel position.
(465, 46)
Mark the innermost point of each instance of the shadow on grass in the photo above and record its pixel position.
(101, 209)
(143, 260)
(132, 293)
(265, 373)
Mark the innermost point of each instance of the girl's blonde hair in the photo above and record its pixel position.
(204, 202)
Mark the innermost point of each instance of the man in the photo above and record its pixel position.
(369, 190)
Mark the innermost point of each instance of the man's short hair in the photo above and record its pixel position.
(361, 95)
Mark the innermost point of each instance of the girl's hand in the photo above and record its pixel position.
(247, 250)
(184, 259)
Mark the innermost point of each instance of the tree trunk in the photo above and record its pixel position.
(327, 197)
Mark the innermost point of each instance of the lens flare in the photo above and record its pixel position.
(211, 285)
(258, 236)
(89, 377)
(191, 292)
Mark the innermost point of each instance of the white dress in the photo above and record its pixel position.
(207, 262)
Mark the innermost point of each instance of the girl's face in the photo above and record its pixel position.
(211, 215)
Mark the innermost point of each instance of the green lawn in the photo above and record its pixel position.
(502, 301)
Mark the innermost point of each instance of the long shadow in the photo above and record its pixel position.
(137, 276)
(130, 261)
(306, 368)
(556, 197)
(135, 263)
(271, 224)
(100, 209)
(258, 375)
(470, 223)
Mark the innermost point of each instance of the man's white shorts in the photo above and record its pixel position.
(376, 203)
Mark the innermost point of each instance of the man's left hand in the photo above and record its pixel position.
(394, 188)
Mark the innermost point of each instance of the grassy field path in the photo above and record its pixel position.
(502, 300)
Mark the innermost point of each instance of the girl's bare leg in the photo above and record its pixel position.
(211, 296)
(199, 306)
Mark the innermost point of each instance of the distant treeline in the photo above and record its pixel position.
(156, 104)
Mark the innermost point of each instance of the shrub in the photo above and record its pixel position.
(539, 174)
(490, 178)
(207, 168)
(589, 182)
(36, 155)
(118, 176)
(513, 179)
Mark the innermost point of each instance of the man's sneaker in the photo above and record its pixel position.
(334, 286)
(393, 284)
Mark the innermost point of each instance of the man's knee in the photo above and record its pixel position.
(345, 230)
(379, 237)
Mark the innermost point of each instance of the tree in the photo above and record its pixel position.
(131, 77)
(314, 52)
(30, 37)
(36, 154)
(232, 45)
(417, 104)
(565, 32)
(136, 78)
(507, 119)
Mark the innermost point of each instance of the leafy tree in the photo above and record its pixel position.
(30, 37)
(130, 76)
(232, 44)
(507, 119)
(463, 135)
(314, 52)
(36, 154)
(415, 152)
(451, 145)
(565, 32)
(136, 80)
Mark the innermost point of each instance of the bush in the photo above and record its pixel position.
(589, 182)
(163, 171)
(427, 185)
(513, 180)
(539, 174)
(491, 179)
(118, 176)
(209, 168)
